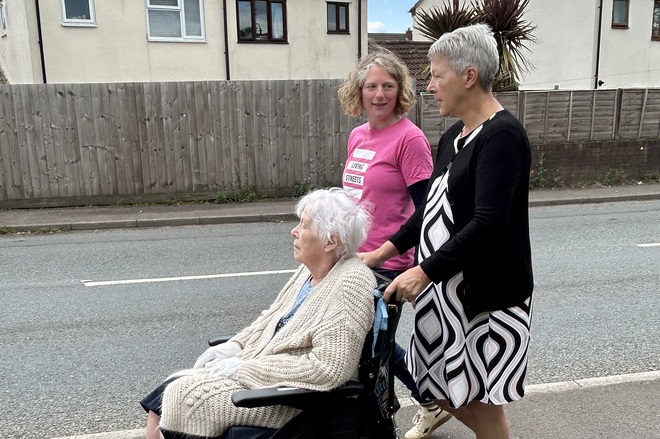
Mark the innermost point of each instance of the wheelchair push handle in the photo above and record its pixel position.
(382, 282)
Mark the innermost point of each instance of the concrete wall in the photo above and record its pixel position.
(19, 54)
(310, 54)
(609, 162)
(629, 58)
(567, 52)
(564, 55)
(116, 48)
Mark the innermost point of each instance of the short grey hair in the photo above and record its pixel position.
(333, 212)
(470, 46)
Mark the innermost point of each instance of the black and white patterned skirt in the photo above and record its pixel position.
(451, 358)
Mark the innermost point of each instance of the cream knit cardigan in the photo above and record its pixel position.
(318, 349)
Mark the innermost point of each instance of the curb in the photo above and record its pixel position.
(155, 222)
(271, 217)
(594, 200)
(547, 388)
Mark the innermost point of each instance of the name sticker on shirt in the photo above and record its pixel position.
(357, 166)
(364, 154)
(354, 179)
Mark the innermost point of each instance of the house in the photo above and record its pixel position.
(412, 53)
(587, 44)
(77, 41)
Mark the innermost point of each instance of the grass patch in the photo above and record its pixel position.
(241, 195)
(40, 230)
(537, 174)
(617, 177)
(302, 188)
(651, 178)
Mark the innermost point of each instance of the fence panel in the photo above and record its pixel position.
(650, 126)
(8, 187)
(605, 113)
(632, 104)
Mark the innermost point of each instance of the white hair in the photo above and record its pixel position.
(333, 213)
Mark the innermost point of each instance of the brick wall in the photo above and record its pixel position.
(603, 161)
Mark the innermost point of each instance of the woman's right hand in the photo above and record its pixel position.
(376, 257)
(407, 286)
(370, 259)
(219, 352)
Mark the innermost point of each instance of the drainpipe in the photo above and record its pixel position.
(224, 13)
(600, 27)
(359, 29)
(41, 45)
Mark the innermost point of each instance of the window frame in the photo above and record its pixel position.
(656, 11)
(3, 18)
(621, 25)
(180, 8)
(269, 17)
(86, 22)
(339, 30)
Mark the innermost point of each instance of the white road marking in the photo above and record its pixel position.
(651, 244)
(180, 278)
(407, 402)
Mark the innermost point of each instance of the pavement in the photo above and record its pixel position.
(183, 214)
(613, 407)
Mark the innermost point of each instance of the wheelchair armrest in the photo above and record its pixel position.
(294, 397)
(219, 339)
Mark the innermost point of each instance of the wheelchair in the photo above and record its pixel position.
(362, 409)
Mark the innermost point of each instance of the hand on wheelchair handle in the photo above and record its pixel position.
(219, 352)
(227, 367)
(407, 286)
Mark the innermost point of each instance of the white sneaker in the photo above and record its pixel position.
(426, 421)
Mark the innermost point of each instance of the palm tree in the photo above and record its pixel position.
(505, 17)
(437, 21)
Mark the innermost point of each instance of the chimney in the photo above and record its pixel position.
(409, 35)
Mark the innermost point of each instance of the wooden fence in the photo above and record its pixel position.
(569, 116)
(134, 139)
(128, 141)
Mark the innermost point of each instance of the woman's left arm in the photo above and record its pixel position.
(416, 165)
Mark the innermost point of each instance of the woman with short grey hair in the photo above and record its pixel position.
(473, 46)
(474, 278)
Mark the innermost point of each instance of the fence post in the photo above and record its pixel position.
(641, 116)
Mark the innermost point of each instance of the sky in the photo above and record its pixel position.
(389, 16)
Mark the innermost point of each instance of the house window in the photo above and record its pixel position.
(175, 20)
(261, 20)
(337, 18)
(3, 19)
(78, 13)
(620, 13)
(655, 28)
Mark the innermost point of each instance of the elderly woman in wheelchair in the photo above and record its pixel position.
(311, 337)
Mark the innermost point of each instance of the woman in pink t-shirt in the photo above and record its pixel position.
(388, 166)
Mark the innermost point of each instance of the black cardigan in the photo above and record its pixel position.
(488, 194)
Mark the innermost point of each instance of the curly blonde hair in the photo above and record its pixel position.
(350, 96)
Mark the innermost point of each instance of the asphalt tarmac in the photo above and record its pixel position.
(615, 407)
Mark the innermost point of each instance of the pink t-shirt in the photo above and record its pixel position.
(381, 164)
